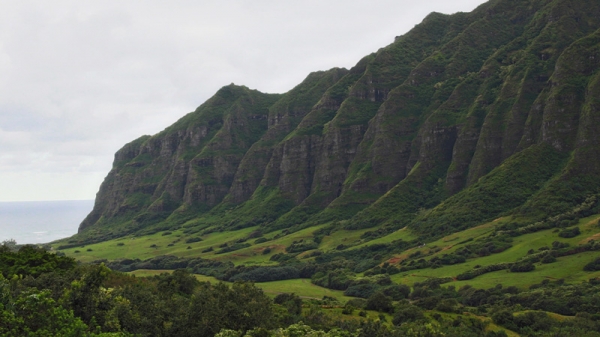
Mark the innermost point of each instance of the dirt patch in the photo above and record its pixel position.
(590, 238)
(241, 255)
(591, 223)
(394, 260)
(446, 248)
(424, 276)
(397, 259)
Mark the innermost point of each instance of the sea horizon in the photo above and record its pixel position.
(37, 222)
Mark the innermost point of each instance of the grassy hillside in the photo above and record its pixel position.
(254, 252)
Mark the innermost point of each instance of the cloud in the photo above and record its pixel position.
(78, 79)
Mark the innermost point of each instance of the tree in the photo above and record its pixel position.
(292, 302)
(379, 302)
(215, 307)
(179, 282)
(407, 313)
(37, 314)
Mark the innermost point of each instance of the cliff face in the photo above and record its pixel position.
(464, 118)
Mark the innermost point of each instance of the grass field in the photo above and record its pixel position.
(175, 244)
(301, 287)
(569, 268)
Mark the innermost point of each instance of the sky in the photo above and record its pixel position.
(79, 79)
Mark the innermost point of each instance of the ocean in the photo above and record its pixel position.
(41, 221)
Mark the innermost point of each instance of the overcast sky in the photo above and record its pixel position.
(79, 79)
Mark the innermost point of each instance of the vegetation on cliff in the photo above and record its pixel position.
(433, 131)
(455, 170)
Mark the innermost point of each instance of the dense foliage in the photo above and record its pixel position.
(474, 121)
(92, 300)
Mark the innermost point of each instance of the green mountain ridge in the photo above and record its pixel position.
(466, 118)
(446, 185)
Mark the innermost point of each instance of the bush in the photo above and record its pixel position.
(234, 247)
(569, 232)
(357, 303)
(559, 245)
(522, 267)
(260, 240)
(592, 266)
(192, 240)
(267, 274)
(362, 290)
(301, 246)
(471, 274)
(549, 259)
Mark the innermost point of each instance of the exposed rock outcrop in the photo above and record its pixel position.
(430, 122)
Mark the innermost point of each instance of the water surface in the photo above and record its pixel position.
(41, 221)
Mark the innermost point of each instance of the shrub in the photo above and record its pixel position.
(192, 240)
(471, 274)
(234, 247)
(348, 310)
(559, 245)
(260, 240)
(362, 290)
(301, 246)
(592, 266)
(569, 232)
(522, 267)
(548, 259)
(267, 274)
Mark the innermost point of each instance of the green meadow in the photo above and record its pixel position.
(569, 268)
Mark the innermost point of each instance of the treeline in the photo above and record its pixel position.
(196, 265)
(92, 300)
(289, 267)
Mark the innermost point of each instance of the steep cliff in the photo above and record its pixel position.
(465, 118)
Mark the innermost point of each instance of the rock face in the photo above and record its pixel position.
(501, 104)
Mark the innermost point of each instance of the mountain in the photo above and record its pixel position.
(466, 118)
